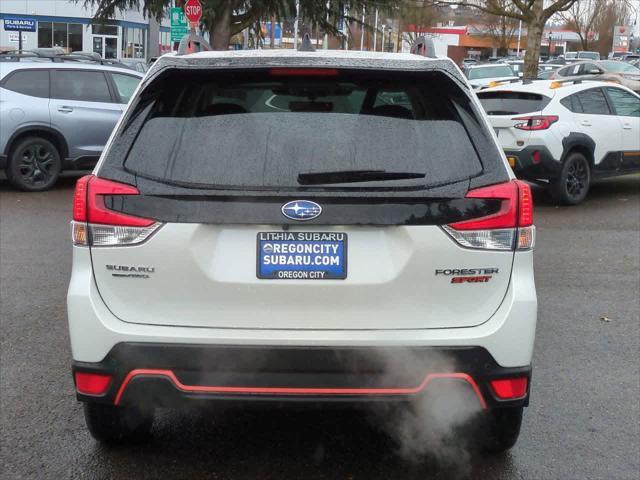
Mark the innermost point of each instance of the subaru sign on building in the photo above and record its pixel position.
(69, 25)
(20, 24)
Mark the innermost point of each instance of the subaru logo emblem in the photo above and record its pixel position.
(301, 210)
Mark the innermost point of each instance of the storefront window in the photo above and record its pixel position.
(45, 37)
(63, 35)
(60, 35)
(165, 42)
(75, 37)
(104, 29)
(134, 42)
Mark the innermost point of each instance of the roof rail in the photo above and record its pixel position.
(575, 81)
(306, 45)
(193, 43)
(8, 55)
(55, 56)
(424, 46)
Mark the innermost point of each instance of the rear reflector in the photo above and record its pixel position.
(510, 388)
(92, 383)
(511, 227)
(96, 225)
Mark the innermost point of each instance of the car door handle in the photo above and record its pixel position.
(585, 123)
(65, 109)
(626, 126)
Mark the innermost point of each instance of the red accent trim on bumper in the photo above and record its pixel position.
(298, 390)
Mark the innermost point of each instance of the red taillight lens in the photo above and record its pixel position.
(95, 224)
(92, 383)
(88, 202)
(525, 204)
(303, 72)
(510, 388)
(506, 217)
(535, 122)
(80, 199)
(511, 226)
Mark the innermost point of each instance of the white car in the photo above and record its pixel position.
(564, 134)
(481, 76)
(302, 226)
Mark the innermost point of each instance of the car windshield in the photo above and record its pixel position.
(261, 130)
(589, 55)
(619, 67)
(493, 71)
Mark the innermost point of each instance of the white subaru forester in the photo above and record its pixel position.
(280, 225)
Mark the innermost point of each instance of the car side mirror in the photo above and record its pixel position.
(594, 71)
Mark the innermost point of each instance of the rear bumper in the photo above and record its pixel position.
(545, 170)
(169, 375)
(508, 335)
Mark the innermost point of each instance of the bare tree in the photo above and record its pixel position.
(501, 28)
(533, 13)
(617, 13)
(418, 13)
(582, 16)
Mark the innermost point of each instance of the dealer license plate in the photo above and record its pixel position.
(302, 255)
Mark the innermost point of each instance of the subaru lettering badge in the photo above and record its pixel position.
(301, 210)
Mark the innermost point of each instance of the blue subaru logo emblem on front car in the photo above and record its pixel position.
(301, 210)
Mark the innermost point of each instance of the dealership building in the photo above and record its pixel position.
(69, 25)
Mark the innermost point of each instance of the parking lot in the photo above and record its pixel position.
(582, 422)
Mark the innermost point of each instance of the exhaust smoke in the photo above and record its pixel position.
(436, 425)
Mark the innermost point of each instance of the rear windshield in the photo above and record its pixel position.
(283, 128)
(512, 103)
(589, 55)
(490, 72)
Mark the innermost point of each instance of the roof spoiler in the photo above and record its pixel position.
(425, 47)
(193, 43)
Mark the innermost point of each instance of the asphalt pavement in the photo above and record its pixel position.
(583, 421)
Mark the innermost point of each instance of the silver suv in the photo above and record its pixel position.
(57, 115)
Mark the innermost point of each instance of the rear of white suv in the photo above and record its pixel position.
(565, 134)
(284, 228)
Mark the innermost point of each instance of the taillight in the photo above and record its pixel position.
(96, 225)
(535, 122)
(511, 227)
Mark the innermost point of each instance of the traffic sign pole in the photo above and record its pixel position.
(193, 12)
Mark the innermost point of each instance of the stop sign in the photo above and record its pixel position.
(193, 10)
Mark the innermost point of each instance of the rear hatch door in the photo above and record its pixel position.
(342, 182)
(506, 108)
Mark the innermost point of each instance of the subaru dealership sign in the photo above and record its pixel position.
(19, 24)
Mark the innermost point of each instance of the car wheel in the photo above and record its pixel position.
(499, 428)
(113, 425)
(575, 178)
(34, 164)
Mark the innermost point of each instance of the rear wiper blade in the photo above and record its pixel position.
(354, 176)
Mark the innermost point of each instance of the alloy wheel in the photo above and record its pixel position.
(37, 164)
